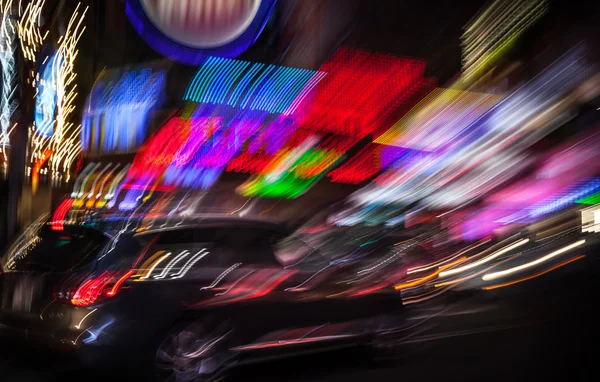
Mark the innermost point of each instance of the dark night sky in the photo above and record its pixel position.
(423, 29)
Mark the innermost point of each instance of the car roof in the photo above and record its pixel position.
(163, 224)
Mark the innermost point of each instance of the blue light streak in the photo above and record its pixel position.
(566, 198)
(250, 86)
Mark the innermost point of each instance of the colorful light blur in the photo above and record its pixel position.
(231, 104)
(58, 218)
(96, 184)
(487, 152)
(438, 119)
(565, 198)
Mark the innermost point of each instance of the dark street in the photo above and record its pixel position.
(543, 329)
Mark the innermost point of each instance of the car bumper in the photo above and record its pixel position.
(75, 331)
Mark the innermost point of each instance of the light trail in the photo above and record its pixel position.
(494, 255)
(506, 272)
(535, 275)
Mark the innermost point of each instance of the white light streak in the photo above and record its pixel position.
(78, 326)
(155, 265)
(172, 263)
(64, 143)
(8, 103)
(190, 263)
(221, 276)
(506, 272)
(494, 255)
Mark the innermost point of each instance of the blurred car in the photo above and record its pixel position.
(186, 300)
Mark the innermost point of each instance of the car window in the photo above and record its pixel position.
(47, 249)
(293, 252)
(122, 251)
(180, 236)
(225, 245)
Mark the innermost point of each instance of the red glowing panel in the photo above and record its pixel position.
(364, 165)
(361, 90)
(249, 163)
(160, 150)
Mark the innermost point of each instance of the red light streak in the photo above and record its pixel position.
(249, 163)
(270, 287)
(59, 215)
(89, 291)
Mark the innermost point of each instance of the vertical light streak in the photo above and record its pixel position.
(66, 149)
(7, 63)
(61, 137)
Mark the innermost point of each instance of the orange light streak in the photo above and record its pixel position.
(559, 265)
(431, 276)
(115, 287)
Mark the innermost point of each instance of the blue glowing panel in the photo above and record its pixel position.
(117, 113)
(190, 31)
(258, 87)
(45, 102)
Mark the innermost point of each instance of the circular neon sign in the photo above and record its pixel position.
(188, 31)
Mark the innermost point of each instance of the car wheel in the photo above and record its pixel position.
(197, 351)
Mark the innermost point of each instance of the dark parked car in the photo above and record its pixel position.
(185, 300)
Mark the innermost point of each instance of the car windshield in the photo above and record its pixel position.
(47, 249)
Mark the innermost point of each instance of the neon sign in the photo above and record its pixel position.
(189, 31)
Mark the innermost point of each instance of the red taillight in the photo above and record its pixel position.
(107, 284)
